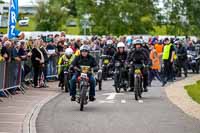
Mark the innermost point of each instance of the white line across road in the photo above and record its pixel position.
(111, 96)
(123, 101)
(102, 101)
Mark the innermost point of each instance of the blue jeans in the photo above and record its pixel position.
(154, 73)
(73, 85)
(51, 67)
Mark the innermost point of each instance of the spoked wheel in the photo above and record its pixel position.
(125, 89)
(117, 89)
(99, 76)
(138, 93)
(100, 85)
(82, 98)
(117, 86)
(66, 84)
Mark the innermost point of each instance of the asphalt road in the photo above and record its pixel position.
(120, 113)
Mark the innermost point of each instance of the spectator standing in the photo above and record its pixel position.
(154, 71)
(51, 49)
(168, 60)
(37, 62)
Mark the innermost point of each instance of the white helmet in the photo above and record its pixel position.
(120, 45)
(109, 42)
(138, 41)
(69, 52)
(85, 48)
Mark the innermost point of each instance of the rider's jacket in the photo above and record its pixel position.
(84, 61)
(181, 53)
(138, 56)
(120, 56)
(109, 50)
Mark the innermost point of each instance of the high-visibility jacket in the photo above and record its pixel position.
(1, 58)
(166, 52)
(155, 59)
(64, 62)
(159, 48)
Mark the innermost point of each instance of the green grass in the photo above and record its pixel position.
(31, 26)
(194, 91)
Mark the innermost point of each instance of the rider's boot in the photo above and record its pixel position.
(92, 98)
(131, 90)
(145, 89)
(73, 98)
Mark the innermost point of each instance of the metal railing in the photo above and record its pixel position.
(10, 77)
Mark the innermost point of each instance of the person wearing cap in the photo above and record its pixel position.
(181, 58)
(64, 62)
(138, 55)
(168, 60)
(85, 59)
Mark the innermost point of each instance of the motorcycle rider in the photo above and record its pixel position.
(84, 59)
(181, 58)
(138, 56)
(109, 49)
(191, 47)
(121, 56)
(64, 62)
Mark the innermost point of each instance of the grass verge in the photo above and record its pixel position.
(194, 91)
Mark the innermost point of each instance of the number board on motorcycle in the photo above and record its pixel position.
(106, 61)
(85, 69)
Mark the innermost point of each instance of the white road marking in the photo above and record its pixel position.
(112, 95)
(102, 101)
(123, 101)
(140, 101)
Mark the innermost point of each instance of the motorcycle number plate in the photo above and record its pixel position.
(137, 71)
(106, 61)
(83, 75)
(193, 61)
(65, 72)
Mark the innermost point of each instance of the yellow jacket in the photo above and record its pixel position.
(64, 62)
(1, 58)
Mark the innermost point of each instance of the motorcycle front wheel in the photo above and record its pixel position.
(82, 97)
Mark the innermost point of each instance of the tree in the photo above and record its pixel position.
(50, 16)
(192, 13)
(119, 16)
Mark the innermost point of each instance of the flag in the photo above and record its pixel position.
(13, 15)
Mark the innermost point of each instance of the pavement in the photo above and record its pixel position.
(179, 96)
(16, 110)
(116, 113)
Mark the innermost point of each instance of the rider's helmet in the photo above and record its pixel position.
(84, 48)
(109, 43)
(138, 42)
(120, 45)
(69, 52)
